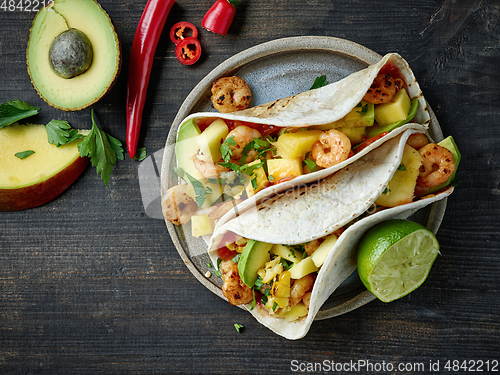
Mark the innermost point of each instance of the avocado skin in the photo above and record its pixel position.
(70, 53)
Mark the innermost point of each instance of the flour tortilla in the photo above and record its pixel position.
(313, 211)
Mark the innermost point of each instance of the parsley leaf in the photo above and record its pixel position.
(311, 164)
(24, 154)
(102, 149)
(15, 110)
(238, 327)
(141, 154)
(59, 133)
(401, 167)
(225, 148)
(319, 82)
(199, 189)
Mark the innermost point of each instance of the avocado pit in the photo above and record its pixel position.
(70, 54)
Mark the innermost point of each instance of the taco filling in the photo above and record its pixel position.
(225, 160)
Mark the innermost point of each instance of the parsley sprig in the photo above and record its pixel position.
(15, 110)
(103, 150)
(60, 132)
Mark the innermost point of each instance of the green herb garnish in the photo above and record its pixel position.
(15, 110)
(24, 154)
(225, 148)
(401, 167)
(60, 133)
(102, 149)
(386, 190)
(319, 82)
(311, 164)
(199, 189)
(238, 327)
(141, 154)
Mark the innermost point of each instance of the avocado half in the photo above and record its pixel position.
(87, 88)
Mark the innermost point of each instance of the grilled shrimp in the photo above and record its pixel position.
(207, 168)
(383, 89)
(233, 288)
(230, 94)
(417, 140)
(306, 299)
(242, 136)
(437, 165)
(332, 148)
(300, 288)
(177, 206)
(221, 210)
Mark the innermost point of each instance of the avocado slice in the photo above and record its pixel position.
(254, 257)
(86, 88)
(450, 144)
(186, 146)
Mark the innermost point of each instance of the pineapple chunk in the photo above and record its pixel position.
(394, 111)
(287, 253)
(355, 135)
(401, 187)
(211, 139)
(296, 145)
(260, 178)
(200, 225)
(320, 254)
(360, 116)
(282, 168)
(296, 312)
(303, 268)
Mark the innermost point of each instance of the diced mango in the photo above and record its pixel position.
(284, 168)
(287, 253)
(396, 110)
(296, 145)
(259, 177)
(211, 139)
(401, 187)
(320, 254)
(296, 312)
(200, 225)
(355, 135)
(303, 268)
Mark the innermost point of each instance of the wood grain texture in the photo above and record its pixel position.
(90, 284)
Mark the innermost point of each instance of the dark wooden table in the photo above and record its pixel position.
(90, 284)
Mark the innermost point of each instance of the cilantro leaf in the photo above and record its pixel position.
(102, 149)
(15, 110)
(401, 167)
(311, 164)
(59, 133)
(238, 327)
(24, 154)
(319, 82)
(386, 190)
(199, 189)
(225, 148)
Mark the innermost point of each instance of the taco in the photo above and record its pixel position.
(226, 158)
(282, 258)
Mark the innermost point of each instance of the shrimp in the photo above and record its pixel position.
(417, 140)
(311, 247)
(177, 206)
(230, 94)
(300, 288)
(437, 165)
(306, 299)
(207, 168)
(383, 89)
(221, 210)
(242, 136)
(332, 148)
(233, 288)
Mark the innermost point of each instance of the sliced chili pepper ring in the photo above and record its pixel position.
(188, 51)
(182, 30)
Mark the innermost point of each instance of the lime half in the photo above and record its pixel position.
(395, 257)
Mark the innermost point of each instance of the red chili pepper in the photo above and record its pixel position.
(183, 30)
(220, 16)
(188, 51)
(141, 59)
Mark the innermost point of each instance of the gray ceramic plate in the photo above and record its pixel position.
(275, 70)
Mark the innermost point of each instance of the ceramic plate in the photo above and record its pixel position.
(275, 70)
